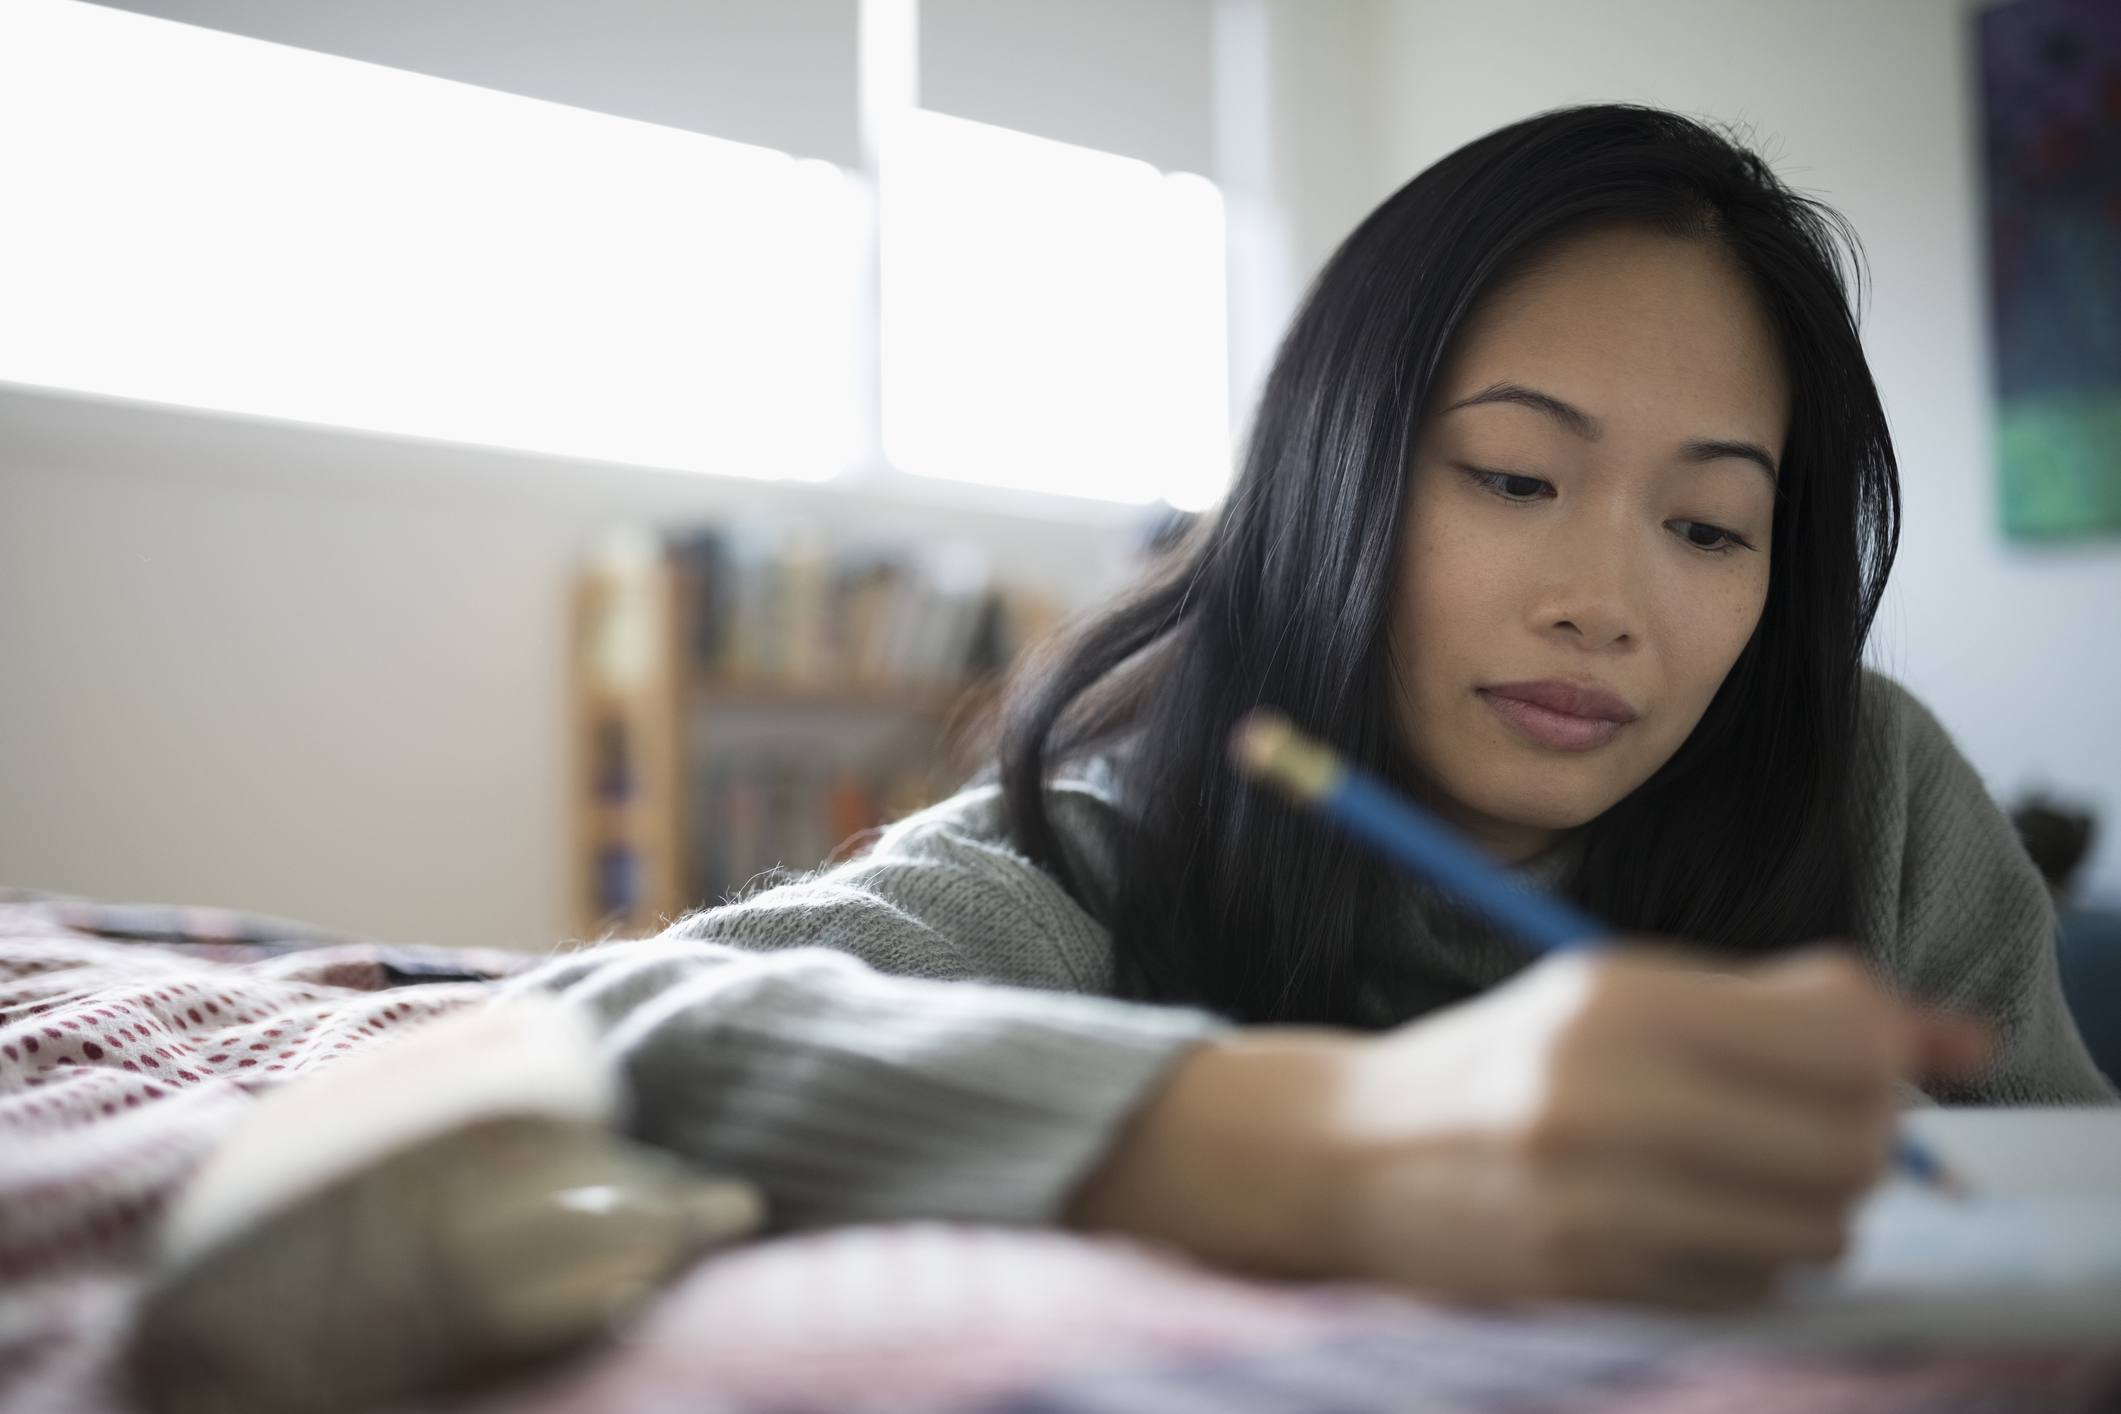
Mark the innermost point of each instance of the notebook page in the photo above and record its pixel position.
(2030, 1257)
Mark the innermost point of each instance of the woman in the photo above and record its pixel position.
(1567, 505)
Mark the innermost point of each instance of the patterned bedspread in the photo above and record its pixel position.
(132, 1038)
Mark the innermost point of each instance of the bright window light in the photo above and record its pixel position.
(1053, 316)
(203, 219)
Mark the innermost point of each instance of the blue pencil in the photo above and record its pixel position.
(1266, 747)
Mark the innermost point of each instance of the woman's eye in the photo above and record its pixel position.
(1713, 538)
(1521, 490)
(1510, 486)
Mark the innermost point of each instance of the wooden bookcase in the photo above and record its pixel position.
(650, 724)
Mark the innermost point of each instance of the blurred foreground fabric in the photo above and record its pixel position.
(132, 1038)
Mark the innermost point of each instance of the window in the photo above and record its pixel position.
(230, 224)
(1052, 316)
(221, 222)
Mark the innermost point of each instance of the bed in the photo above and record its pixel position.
(134, 1038)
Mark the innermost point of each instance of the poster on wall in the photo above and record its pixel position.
(2050, 76)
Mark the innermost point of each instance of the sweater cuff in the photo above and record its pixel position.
(852, 1096)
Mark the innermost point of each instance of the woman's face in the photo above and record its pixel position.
(1586, 550)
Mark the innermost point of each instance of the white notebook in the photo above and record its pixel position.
(2030, 1257)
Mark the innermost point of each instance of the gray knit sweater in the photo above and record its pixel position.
(927, 1031)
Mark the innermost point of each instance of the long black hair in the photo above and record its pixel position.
(1224, 897)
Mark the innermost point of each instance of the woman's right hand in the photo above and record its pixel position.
(1622, 1125)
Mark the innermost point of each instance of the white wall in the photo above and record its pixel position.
(778, 75)
(324, 673)
(1871, 107)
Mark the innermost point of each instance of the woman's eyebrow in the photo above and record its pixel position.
(1709, 450)
(1572, 418)
(1581, 424)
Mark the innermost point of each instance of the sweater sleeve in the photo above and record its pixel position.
(1954, 909)
(891, 1038)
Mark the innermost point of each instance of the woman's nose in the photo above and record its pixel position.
(1591, 596)
(1598, 626)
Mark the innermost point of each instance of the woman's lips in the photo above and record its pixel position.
(1546, 727)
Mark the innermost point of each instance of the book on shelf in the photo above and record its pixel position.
(764, 698)
(765, 604)
(752, 817)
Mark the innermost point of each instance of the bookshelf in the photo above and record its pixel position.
(746, 700)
